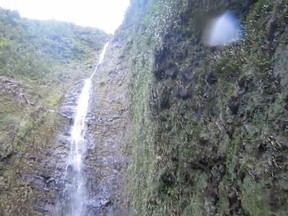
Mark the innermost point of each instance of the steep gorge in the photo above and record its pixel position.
(40, 62)
(176, 127)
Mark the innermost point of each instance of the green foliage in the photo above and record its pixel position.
(201, 147)
(33, 49)
(253, 198)
(39, 62)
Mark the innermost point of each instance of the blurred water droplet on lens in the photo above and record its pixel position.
(223, 30)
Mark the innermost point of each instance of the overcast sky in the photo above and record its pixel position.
(104, 14)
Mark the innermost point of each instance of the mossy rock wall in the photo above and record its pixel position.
(209, 123)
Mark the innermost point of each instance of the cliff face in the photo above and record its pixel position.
(209, 124)
(39, 62)
(208, 133)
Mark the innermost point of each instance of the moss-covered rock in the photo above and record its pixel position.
(209, 123)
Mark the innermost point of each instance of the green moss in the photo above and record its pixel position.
(253, 198)
(223, 204)
(195, 207)
(204, 151)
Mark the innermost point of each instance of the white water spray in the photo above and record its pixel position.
(74, 194)
(100, 59)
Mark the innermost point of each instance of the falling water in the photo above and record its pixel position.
(100, 59)
(74, 197)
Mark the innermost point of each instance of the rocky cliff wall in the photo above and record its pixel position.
(209, 124)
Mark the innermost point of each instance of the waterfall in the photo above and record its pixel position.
(74, 195)
(100, 59)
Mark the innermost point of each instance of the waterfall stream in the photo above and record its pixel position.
(74, 195)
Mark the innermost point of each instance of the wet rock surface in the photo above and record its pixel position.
(107, 131)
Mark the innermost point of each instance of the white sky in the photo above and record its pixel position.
(103, 14)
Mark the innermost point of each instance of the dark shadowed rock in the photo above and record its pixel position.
(187, 76)
(183, 93)
(233, 104)
(41, 209)
(172, 71)
(243, 84)
(211, 79)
